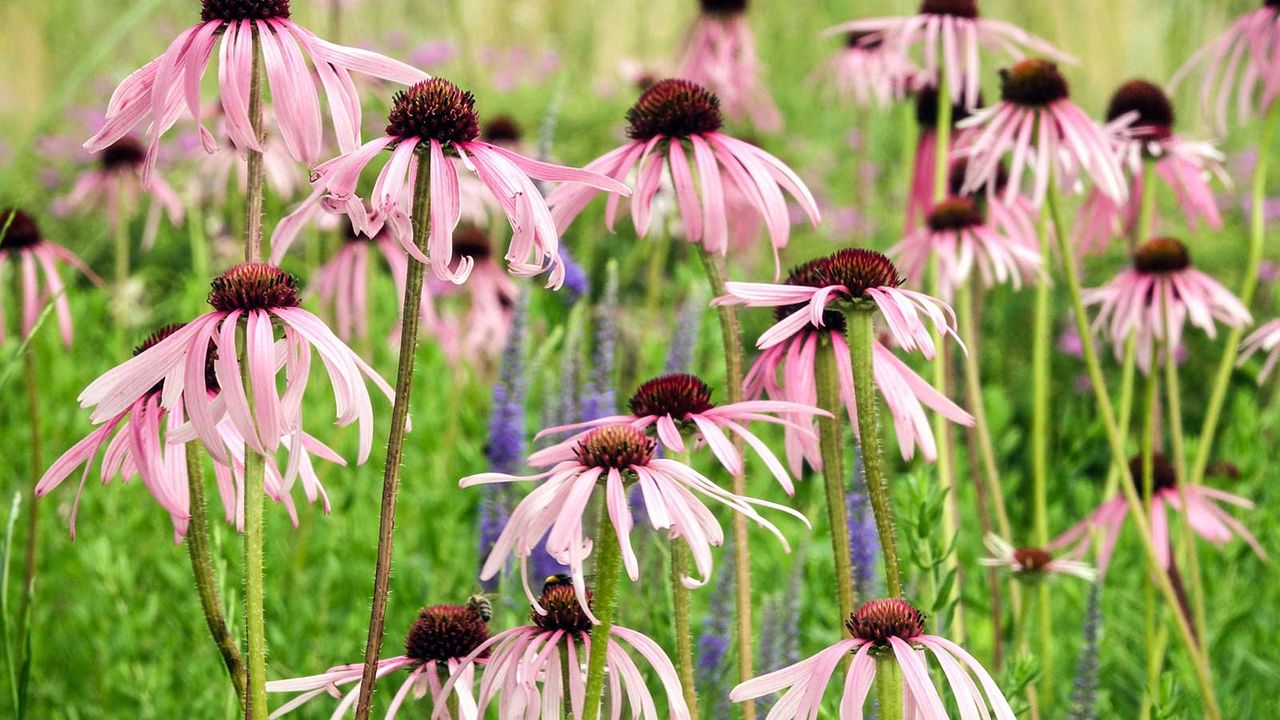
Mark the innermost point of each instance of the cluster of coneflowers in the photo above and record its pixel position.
(982, 210)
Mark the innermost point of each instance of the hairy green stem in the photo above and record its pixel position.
(833, 475)
(861, 336)
(680, 617)
(410, 318)
(202, 571)
(889, 686)
(605, 605)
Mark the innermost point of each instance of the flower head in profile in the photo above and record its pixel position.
(786, 370)
(1209, 519)
(260, 301)
(478, 329)
(341, 284)
(920, 196)
(445, 645)
(1140, 120)
(614, 458)
(678, 403)
(114, 185)
(1044, 134)
(883, 628)
(1266, 339)
(34, 258)
(160, 92)
(1240, 62)
(1155, 298)
(136, 447)
(949, 34)
(672, 119)
(866, 71)
(526, 666)
(433, 127)
(1031, 563)
(720, 53)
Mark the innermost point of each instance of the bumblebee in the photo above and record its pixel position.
(557, 579)
(482, 606)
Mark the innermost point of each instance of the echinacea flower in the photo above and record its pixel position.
(615, 457)
(951, 32)
(1140, 118)
(430, 123)
(720, 54)
(807, 320)
(557, 644)
(342, 283)
(442, 651)
(217, 171)
(882, 629)
(115, 186)
(1240, 62)
(1032, 563)
(1044, 134)
(136, 447)
(865, 71)
(22, 244)
(253, 299)
(1154, 299)
(671, 118)
(676, 403)
(1208, 519)
(1265, 339)
(159, 92)
(920, 196)
(956, 234)
(481, 330)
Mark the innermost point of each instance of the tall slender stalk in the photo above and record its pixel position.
(1146, 460)
(889, 687)
(202, 571)
(833, 475)
(255, 707)
(684, 637)
(1128, 369)
(120, 222)
(30, 379)
(1040, 386)
(1248, 288)
(861, 336)
(410, 320)
(605, 604)
(1116, 443)
(731, 336)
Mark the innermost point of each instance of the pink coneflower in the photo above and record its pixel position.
(1140, 118)
(603, 457)
(160, 91)
(22, 243)
(218, 170)
(1045, 135)
(426, 121)
(951, 33)
(1154, 299)
(720, 53)
(1241, 62)
(264, 297)
(480, 331)
(342, 283)
(957, 235)
(441, 652)
(1267, 340)
(867, 72)
(920, 196)
(791, 346)
(115, 186)
(136, 447)
(880, 627)
(669, 115)
(1208, 519)
(677, 403)
(1032, 564)
(521, 659)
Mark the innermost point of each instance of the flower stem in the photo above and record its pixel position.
(255, 707)
(205, 578)
(1257, 236)
(889, 686)
(605, 604)
(684, 636)
(833, 474)
(861, 336)
(122, 240)
(1040, 386)
(1128, 370)
(30, 379)
(1146, 459)
(1117, 445)
(732, 339)
(410, 317)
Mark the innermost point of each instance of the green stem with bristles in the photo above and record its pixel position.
(889, 686)
(681, 620)
(827, 379)
(605, 604)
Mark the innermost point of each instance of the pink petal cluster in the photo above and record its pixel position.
(720, 53)
(1265, 339)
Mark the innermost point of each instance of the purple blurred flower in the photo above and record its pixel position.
(715, 640)
(434, 52)
(864, 542)
(684, 339)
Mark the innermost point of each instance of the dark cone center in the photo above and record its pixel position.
(445, 632)
(615, 447)
(724, 7)
(210, 375)
(1161, 255)
(858, 269)
(471, 240)
(1033, 83)
(957, 213)
(927, 108)
(960, 171)
(233, 10)
(21, 232)
(677, 395)
(434, 110)
(1032, 559)
(1154, 108)
(675, 109)
(563, 611)
(254, 286)
(123, 155)
(878, 620)
(1163, 474)
(955, 8)
(501, 130)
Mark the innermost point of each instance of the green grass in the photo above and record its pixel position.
(116, 630)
